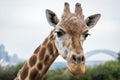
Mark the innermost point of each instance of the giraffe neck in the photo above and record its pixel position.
(38, 64)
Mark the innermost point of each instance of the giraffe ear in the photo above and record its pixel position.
(92, 20)
(51, 18)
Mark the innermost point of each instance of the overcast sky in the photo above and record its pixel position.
(23, 24)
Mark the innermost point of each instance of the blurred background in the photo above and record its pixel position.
(23, 27)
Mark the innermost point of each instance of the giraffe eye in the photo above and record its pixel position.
(86, 35)
(60, 33)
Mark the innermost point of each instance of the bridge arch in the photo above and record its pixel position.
(108, 52)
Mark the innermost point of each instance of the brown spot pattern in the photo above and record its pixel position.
(33, 74)
(37, 50)
(42, 53)
(45, 42)
(50, 48)
(24, 72)
(32, 60)
(52, 37)
(38, 77)
(46, 59)
(39, 66)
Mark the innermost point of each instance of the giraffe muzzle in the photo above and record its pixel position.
(76, 64)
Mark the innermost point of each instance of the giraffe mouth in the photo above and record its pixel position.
(76, 68)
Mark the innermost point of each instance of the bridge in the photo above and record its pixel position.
(95, 52)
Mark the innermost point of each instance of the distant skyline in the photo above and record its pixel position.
(23, 24)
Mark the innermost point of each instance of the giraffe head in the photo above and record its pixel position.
(70, 32)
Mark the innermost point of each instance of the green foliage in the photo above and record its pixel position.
(57, 74)
(119, 56)
(107, 71)
(9, 72)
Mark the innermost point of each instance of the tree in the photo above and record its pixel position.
(118, 57)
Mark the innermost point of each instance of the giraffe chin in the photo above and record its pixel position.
(76, 68)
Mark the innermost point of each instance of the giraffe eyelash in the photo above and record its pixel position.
(86, 35)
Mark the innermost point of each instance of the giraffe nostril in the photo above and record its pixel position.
(74, 58)
(83, 59)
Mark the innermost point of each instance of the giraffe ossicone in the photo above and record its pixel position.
(66, 39)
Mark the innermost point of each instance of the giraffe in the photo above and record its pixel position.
(66, 39)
